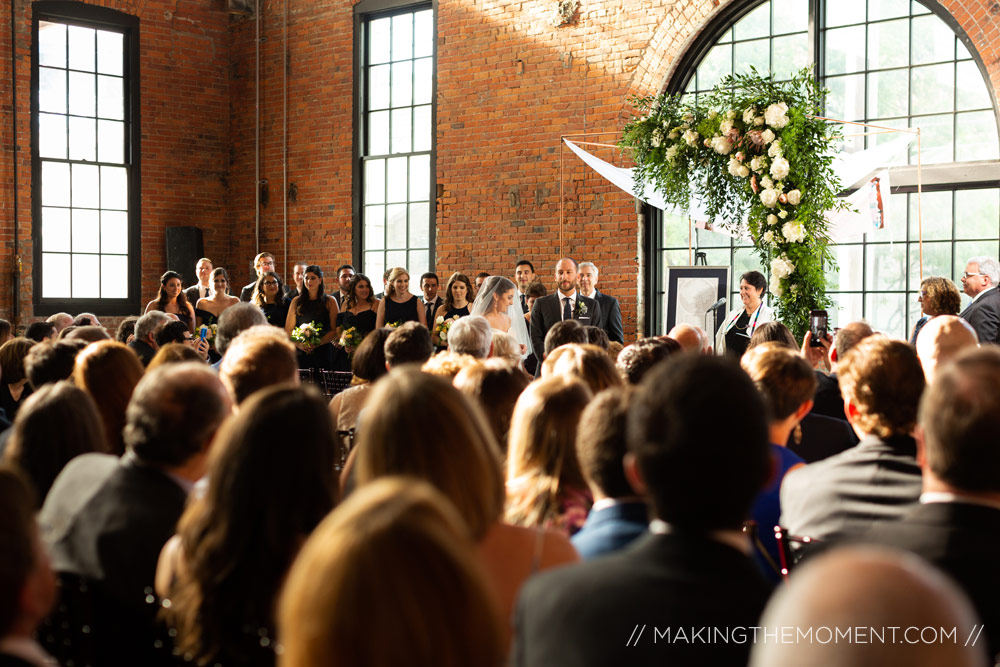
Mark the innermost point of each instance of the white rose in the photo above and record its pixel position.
(768, 237)
(776, 115)
(767, 136)
(782, 267)
(793, 231)
(776, 286)
(713, 114)
(707, 142)
(743, 171)
(734, 167)
(439, 320)
(671, 153)
(794, 197)
(779, 168)
(748, 115)
(757, 163)
(775, 149)
(690, 137)
(769, 197)
(725, 126)
(766, 182)
(722, 145)
(758, 121)
(656, 139)
(772, 219)
(673, 135)
(782, 214)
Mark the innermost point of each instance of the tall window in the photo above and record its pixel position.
(888, 62)
(84, 158)
(397, 141)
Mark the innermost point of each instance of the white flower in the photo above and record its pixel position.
(772, 219)
(794, 197)
(757, 163)
(768, 237)
(743, 172)
(769, 197)
(766, 183)
(748, 115)
(439, 320)
(656, 139)
(734, 167)
(731, 114)
(767, 136)
(782, 214)
(690, 137)
(775, 287)
(775, 149)
(713, 114)
(793, 231)
(673, 135)
(776, 115)
(722, 145)
(779, 168)
(671, 153)
(758, 121)
(725, 126)
(782, 267)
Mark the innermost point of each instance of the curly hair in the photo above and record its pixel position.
(940, 296)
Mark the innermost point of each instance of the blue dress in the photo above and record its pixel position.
(767, 511)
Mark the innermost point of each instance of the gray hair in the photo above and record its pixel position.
(590, 265)
(471, 335)
(989, 267)
(235, 320)
(150, 324)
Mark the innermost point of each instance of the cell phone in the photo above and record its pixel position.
(203, 333)
(817, 327)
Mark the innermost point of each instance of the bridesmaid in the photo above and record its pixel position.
(171, 299)
(269, 296)
(360, 308)
(456, 302)
(314, 305)
(399, 305)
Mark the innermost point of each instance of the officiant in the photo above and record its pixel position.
(734, 334)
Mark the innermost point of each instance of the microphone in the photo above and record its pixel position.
(718, 304)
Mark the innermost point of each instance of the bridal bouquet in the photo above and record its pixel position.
(308, 334)
(350, 339)
(441, 327)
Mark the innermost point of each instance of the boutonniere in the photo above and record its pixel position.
(581, 307)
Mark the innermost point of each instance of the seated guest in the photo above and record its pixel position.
(448, 364)
(691, 338)
(144, 341)
(460, 458)
(829, 401)
(260, 357)
(40, 331)
(619, 515)
(106, 519)
(223, 570)
(27, 587)
(505, 347)
(956, 524)
(588, 363)
(57, 423)
(693, 570)
(87, 320)
(879, 478)
(173, 332)
(126, 330)
(60, 321)
(599, 337)
(637, 359)
(773, 332)
(471, 335)
(409, 343)
(14, 386)
(940, 341)
(836, 591)
(373, 557)
(173, 353)
(6, 333)
(50, 362)
(368, 365)
(109, 373)
(90, 334)
(563, 333)
(494, 385)
(545, 487)
(234, 321)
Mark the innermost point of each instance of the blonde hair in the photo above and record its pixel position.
(506, 347)
(447, 364)
(390, 578)
(781, 375)
(588, 363)
(390, 289)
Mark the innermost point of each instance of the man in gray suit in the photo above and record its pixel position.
(611, 312)
(566, 304)
(980, 280)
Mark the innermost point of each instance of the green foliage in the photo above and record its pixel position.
(754, 152)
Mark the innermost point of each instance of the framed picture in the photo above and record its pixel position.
(690, 294)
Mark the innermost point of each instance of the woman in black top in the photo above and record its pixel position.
(269, 295)
(359, 312)
(399, 305)
(456, 302)
(314, 305)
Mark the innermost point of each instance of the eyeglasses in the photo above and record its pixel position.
(270, 282)
(969, 275)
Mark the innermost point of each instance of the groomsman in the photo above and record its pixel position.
(566, 304)
(611, 312)
(344, 274)
(429, 285)
(262, 263)
(524, 275)
(202, 289)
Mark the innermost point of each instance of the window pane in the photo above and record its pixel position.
(716, 64)
(82, 93)
(971, 88)
(422, 134)
(110, 53)
(395, 226)
(888, 44)
(375, 227)
(847, 308)
(850, 269)
(937, 262)
(887, 313)
(932, 89)
(55, 229)
(936, 43)
(420, 177)
(86, 186)
(675, 231)
(402, 83)
(707, 239)
(114, 277)
(398, 258)
(976, 136)
(51, 135)
(418, 263)
(55, 184)
(936, 216)
(845, 12)
(790, 16)
(755, 24)
(51, 44)
(378, 87)
(886, 268)
(402, 36)
(86, 276)
(86, 230)
(887, 94)
(936, 137)
(378, 41)
(756, 53)
(396, 180)
(846, 100)
(111, 141)
(110, 97)
(81, 48)
(423, 37)
(791, 54)
(51, 90)
(378, 133)
(887, 9)
(895, 223)
(114, 232)
(82, 139)
(374, 268)
(114, 188)
(401, 129)
(375, 181)
(55, 276)
(843, 54)
(423, 80)
(419, 225)
(977, 212)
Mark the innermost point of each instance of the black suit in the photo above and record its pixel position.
(611, 316)
(547, 312)
(430, 309)
(193, 293)
(984, 316)
(143, 350)
(876, 480)
(591, 613)
(822, 437)
(828, 400)
(963, 540)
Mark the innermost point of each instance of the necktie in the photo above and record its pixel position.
(524, 305)
(567, 311)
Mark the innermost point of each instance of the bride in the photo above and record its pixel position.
(495, 302)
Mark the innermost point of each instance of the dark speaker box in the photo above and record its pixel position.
(184, 249)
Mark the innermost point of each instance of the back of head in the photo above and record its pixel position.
(173, 332)
(772, 332)
(564, 333)
(12, 355)
(109, 372)
(5, 330)
(448, 364)
(459, 456)
(637, 359)
(588, 363)
(55, 424)
(18, 546)
(395, 550)
(471, 335)
(505, 347)
(883, 380)
(174, 412)
(126, 329)
(173, 353)
(784, 378)
(960, 419)
(675, 427)
(495, 385)
(38, 331)
(941, 339)
(235, 320)
(89, 333)
(409, 343)
(849, 336)
(369, 359)
(989, 267)
(598, 336)
(260, 357)
(688, 337)
(50, 361)
(896, 599)
(150, 324)
(601, 443)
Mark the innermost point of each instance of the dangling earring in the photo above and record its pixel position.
(797, 434)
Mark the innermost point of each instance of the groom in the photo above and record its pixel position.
(565, 304)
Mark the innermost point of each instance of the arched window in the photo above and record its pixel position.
(896, 63)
